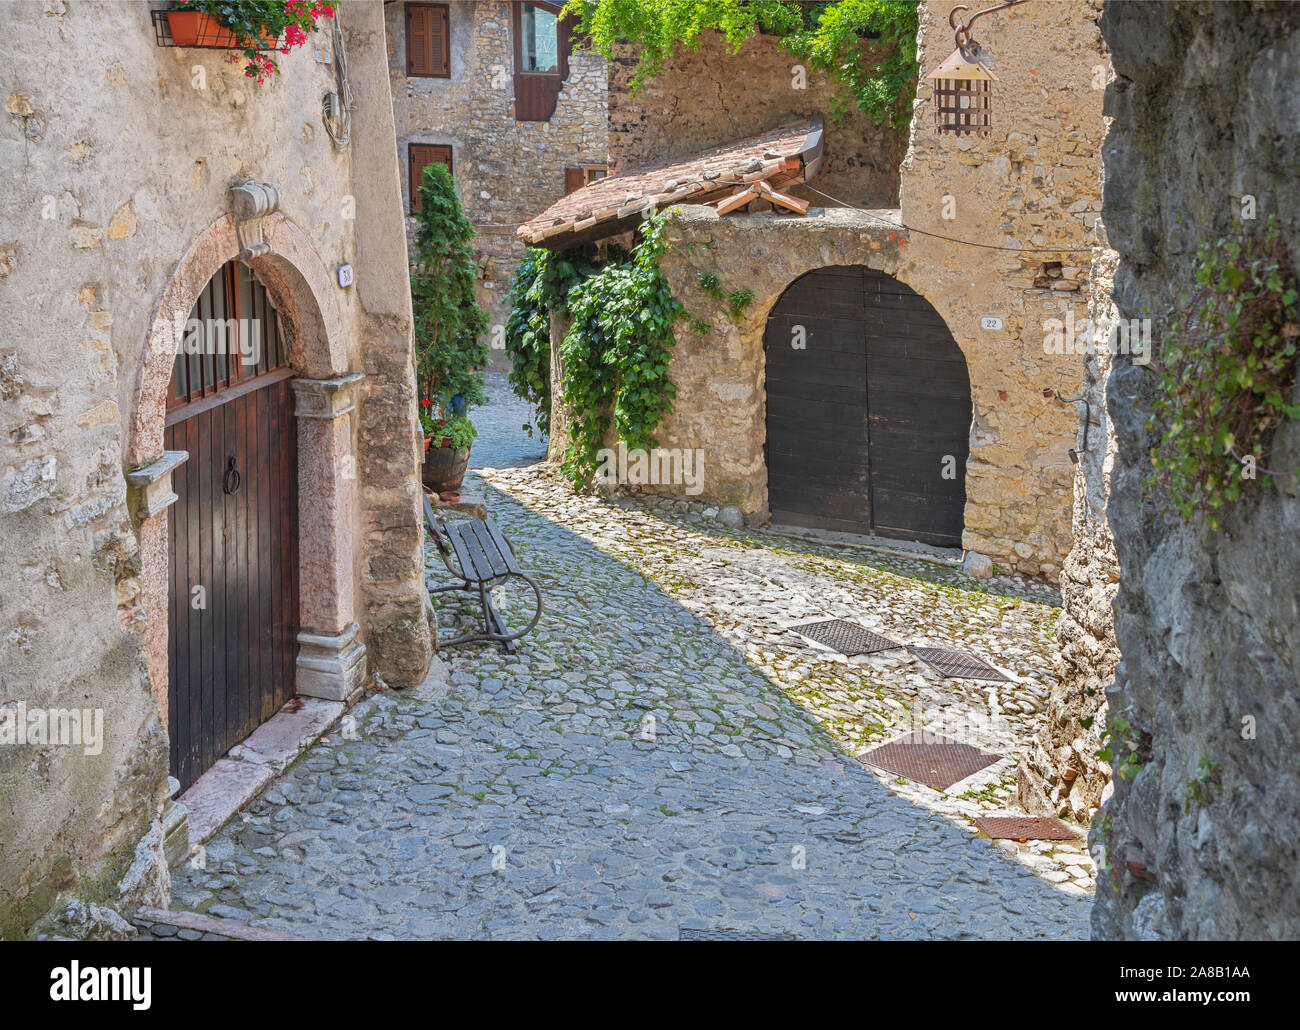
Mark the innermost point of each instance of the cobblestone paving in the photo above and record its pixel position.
(501, 441)
(752, 587)
(525, 803)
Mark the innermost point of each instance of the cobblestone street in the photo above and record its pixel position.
(521, 800)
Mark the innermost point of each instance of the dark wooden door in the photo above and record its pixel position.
(868, 409)
(233, 539)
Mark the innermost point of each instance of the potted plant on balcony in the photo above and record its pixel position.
(449, 325)
(257, 28)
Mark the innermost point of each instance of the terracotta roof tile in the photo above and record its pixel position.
(610, 205)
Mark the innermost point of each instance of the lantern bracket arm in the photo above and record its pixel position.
(962, 28)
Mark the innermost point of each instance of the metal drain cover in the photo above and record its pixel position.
(958, 664)
(845, 637)
(928, 758)
(1023, 827)
(684, 934)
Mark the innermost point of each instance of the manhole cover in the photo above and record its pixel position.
(928, 758)
(1024, 827)
(845, 637)
(731, 935)
(957, 664)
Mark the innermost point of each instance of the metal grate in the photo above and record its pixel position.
(958, 664)
(845, 637)
(684, 934)
(928, 758)
(209, 36)
(1021, 827)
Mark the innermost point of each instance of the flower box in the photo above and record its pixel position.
(200, 29)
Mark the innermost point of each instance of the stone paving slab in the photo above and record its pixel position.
(630, 773)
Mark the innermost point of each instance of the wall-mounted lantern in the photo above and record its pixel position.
(962, 84)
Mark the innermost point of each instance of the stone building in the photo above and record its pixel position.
(1201, 843)
(189, 541)
(494, 90)
(980, 263)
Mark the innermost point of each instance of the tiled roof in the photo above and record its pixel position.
(608, 206)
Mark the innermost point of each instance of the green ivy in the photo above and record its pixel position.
(541, 282)
(616, 353)
(866, 47)
(1226, 372)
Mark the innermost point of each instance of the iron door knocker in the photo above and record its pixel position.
(230, 482)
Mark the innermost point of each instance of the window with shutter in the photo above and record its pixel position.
(428, 41)
(420, 155)
(543, 43)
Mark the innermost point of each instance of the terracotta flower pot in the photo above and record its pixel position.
(198, 28)
(444, 468)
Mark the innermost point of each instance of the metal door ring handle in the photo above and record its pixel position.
(230, 482)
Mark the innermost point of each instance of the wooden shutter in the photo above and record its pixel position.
(421, 155)
(427, 49)
(574, 179)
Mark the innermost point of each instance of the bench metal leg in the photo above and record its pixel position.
(494, 624)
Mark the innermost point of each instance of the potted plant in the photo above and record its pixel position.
(447, 440)
(449, 324)
(251, 26)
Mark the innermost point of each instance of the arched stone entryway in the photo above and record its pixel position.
(331, 659)
(868, 409)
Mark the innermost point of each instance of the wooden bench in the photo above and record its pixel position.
(484, 560)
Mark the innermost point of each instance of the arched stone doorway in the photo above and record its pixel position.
(868, 407)
(316, 399)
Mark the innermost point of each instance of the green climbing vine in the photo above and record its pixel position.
(542, 282)
(1227, 372)
(867, 48)
(616, 353)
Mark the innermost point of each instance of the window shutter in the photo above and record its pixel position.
(438, 42)
(420, 155)
(417, 40)
(573, 180)
(427, 40)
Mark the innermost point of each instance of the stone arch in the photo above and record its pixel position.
(300, 287)
(331, 656)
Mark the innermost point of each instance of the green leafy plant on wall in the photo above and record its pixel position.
(736, 302)
(541, 283)
(449, 324)
(1205, 785)
(866, 47)
(615, 355)
(1226, 372)
(1122, 746)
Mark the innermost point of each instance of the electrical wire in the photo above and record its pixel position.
(342, 138)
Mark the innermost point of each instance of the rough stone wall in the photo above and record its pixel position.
(1208, 622)
(1033, 183)
(1063, 775)
(506, 171)
(118, 155)
(709, 96)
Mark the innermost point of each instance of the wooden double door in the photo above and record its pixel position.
(868, 409)
(233, 532)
